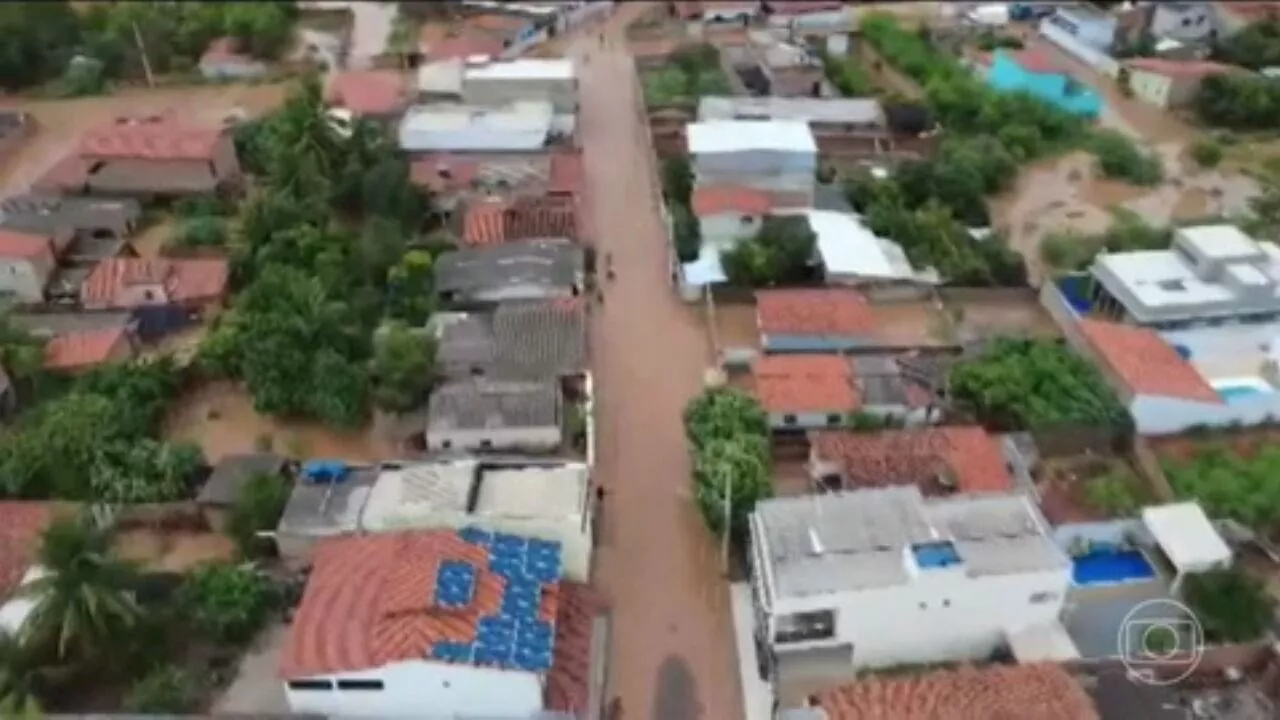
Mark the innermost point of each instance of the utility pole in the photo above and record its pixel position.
(142, 49)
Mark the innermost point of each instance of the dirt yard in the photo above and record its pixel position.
(221, 419)
(154, 236)
(173, 550)
(735, 325)
(911, 324)
(60, 122)
(1063, 486)
(979, 318)
(1065, 194)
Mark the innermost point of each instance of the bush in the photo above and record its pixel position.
(227, 603)
(165, 690)
(780, 252)
(1207, 153)
(1018, 384)
(1238, 101)
(728, 432)
(1230, 605)
(1120, 158)
(259, 506)
(847, 75)
(687, 232)
(1229, 485)
(207, 231)
(1114, 494)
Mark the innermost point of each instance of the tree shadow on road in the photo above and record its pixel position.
(677, 692)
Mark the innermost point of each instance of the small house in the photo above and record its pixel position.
(377, 95)
(729, 213)
(1168, 83)
(814, 320)
(81, 350)
(495, 415)
(532, 270)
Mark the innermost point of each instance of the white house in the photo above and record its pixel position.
(776, 156)
(885, 577)
(729, 213)
(1213, 274)
(1182, 20)
(852, 254)
(454, 624)
(492, 83)
(1175, 380)
(546, 500)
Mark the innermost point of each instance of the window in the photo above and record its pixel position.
(833, 419)
(310, 685)
(446, 444)
(1186, 22)
(746, 220)
(359, 684)
(788, 419)
(805, 626)
(1041, 598)
(946, 603)
(924, 606)
(486, 444)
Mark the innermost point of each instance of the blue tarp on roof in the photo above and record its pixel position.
(325, 471)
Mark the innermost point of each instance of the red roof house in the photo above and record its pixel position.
(377, 94)
(814, 319)
(939, 460)
(83, 350)
(125, 283)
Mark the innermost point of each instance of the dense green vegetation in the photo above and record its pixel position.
(847, 75)
(1230, 605)
(781, 252)
(314, 284)
(990, 135)
(1230, 485)
(690, 74)
(1018, 384)
(677, 191)
(728, 433)
(1255, 47)
(41, 38)
(1238, 101)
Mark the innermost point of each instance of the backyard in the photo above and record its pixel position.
(687, 75)
(1090, 487)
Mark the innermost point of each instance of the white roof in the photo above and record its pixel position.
(522, 69)
(1220, 242)
(534, 492)
(808, 110)
(443, 77)
(422, 495)
(726, 136)
(848, 247)
(1187, 537)
(706, 270)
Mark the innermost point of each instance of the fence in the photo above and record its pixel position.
(1072, 440)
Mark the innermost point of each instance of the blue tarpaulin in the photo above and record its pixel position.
(325, 471)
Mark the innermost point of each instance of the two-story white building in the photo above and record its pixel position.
(884, 577)
(779, 157)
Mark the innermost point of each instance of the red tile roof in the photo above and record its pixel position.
(159, 138)
(185, 281)
(999, 692)
(804, 383)
(716, 199)
(1179, 68)
(971, 457)
(368, 92)
(461, 47)
(22, 525)
(495, 221)
(1145, 363)
(70, 172)
(370, 601)
(831, 312)
(16, 244)
(82, 349)
(568, 683)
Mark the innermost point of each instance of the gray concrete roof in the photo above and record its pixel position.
(323, 509)
(549, 264)
(230, 474)
(537, 339)
(862, 539)
(50, 214)
(479, 403)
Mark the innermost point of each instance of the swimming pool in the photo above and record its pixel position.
(1110, 567)
(1240, 388)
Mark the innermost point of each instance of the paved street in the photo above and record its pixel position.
(672, 656)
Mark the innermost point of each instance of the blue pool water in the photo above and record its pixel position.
(1111, 567)
(1231, 392)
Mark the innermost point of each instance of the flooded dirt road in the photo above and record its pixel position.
(672, 655)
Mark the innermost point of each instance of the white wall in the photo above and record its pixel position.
(413, 687)
(1151, 88)
(1153, 415)
(726, 229)
(532, 438)
(1080, 49)
(24, 278)
(942, 616)
(1168, 22)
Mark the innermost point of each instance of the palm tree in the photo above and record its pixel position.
(21, 675)
(84, 599)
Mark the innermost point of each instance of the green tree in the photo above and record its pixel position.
(1207, 152)
(677, 180)
(1229, 485)
(1230, 605)
(1257, 46)
(410, 288)
(227, 603)
(723, 413)
(164, 690)
(264, 29)
(39, 38)
(403, 366)
(258, 507)
(1114, 494)
(731, 475)
(83, 602)
(782, 251)
(1239, 101)
(1120, 158)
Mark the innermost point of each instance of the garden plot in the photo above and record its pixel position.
(1090, 488)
